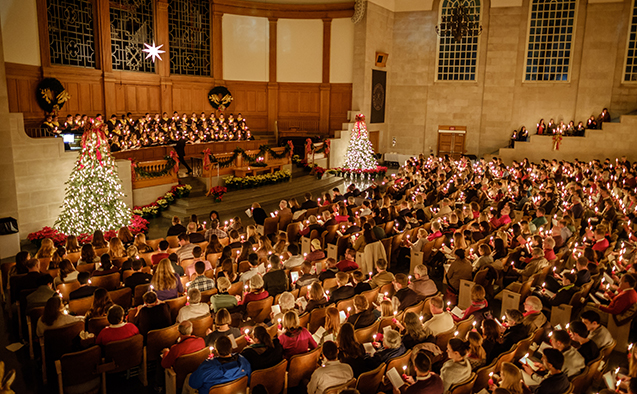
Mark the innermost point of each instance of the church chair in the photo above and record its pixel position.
(186, 263)
(140, 290)
(236, 289)
(205, 295)
(523, 347)
(579, 381)
(338, 388)
(504, 358)
(32, 320)
(122, 297)
(387, 290)
(213, 258)
(109, 282)
(244, 266)
(273, 378)
(96, 324)
(346, 306)
(465, 387)
(66, 288)
(173, 241)
(126, 354)
(175, 304)
(292, 231)
(396, 243)
(242, 342)
(365, 334)
(417, 309)
(368, 382)
(482, 377)
(80, 306)
(317, 319)
(329, 236)
(464, 326)
(55, 343)
(273, 330)
(99, 252)
(172, 250)
(329, 283)
(302, 366)
(126, 274)
(235, 387)
(398, 363)
(259, 311)
(304, 320)
(154, 243)
(200, 325)
(284, 221)
(442, 340)
(82, 371)
(593, 371)
(119, 262)
(384, 322)
(44, 264)
(387, 244)
(224, 241)
(157, 340)
(147, 257)
(184, 365)
(21, 308)
(270, 225)
(342, 243)
(74, 257)
(371, 296)
(86, 268)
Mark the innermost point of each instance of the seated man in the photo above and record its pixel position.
(349, 262)
(515, 330)
(195, 237)
(194, 309)
(587, 348)
(404, 296)
(362, 316)
(383, 276)
(573, 361)
(295, 258)
(186, 344)
(534, 318)
(426, 381)
(331, 373)
(535, 265)
(564, 294)
(185, 250)
(235, 240)
(201, 282)
(275, 281)
(330, 271)
(117, 329)
(223, 368)
(421, 283)
(253, 259)
(596, 332)
(556, 381)
(343, 291)
(308, 277)
(441, 320)
(583, 274)
(625, 297)
(138, 277)
(85, 289)
(152, 315)
(360, 285)
(29, 281)
(42, 294)
(197, 253)
(162, 252)
(214, 229)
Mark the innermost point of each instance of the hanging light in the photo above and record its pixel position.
(459, 23)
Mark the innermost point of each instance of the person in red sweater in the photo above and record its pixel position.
(601, 243)
(349, 262)
(256, 292)
(117, 330)
(478, 303)
(162, 252)
(626, 296)
(186, 344)
(295, 339)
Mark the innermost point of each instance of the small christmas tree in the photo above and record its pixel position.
(93, 196)
(360, 154)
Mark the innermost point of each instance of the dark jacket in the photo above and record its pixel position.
(512, 336)
(342, 293)
(275, 282)
(563, 296)
(583, 277)
(361, 287)
(153, 318)
(362, 319)
(589, 351)
(407, 298)
(259, 216)
(138, 278)
(309, 204)
(196, 238)
(176, 230)
(261, 357)
(553, 384)
(84, 291)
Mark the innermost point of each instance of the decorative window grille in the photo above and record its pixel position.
(630, 74)
(131, 27)
(189, 34)
(457, 61)
(71, 36)
(549, 49)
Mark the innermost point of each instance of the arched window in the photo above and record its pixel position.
(189, 33)
(132, 26)
(550, 42)
(630, 73)
(458, 60)
(71, 36)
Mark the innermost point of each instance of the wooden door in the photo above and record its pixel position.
(451, 142)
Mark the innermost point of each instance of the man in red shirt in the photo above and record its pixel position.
(162, 252)
(117, 330)
(349, 262)
(186, 344)
(601, 243)
(626, 296)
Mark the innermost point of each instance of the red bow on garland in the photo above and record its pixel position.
(291, 145)
(132, 168)
(327, 144)
(175, 157)
(308, 146)
(206, 158)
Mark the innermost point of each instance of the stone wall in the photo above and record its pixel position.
(499, 101)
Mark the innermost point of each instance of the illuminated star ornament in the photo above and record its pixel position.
(153, 51)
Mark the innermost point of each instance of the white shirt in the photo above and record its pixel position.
(439, 323)
(332, 373)
(193, 311)
(245, 277)
(293, 261)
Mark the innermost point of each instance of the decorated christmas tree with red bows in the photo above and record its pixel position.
(360, 154)
(93, 195)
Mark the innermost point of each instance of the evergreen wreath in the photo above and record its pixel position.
(51, 95)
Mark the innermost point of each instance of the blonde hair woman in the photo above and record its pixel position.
(251, 234)
(46, 249)
(477, 356)
(265, 248)
(257, 293)
(294, 338)
(316, 297)
(386, 308)
(116, 248)
(166, 282)
(281, 244)
(511, 379)
(140, 243)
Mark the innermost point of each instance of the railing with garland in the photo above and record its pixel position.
(156, 172)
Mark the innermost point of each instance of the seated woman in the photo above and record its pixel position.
(221, 327)
(106, 267)
(222, 299)
(366, 239)
(227, 271)
(294, 338)
(116, 248)
(362, 316)
(98, 241)
(316, 298)
(257, 292)
(286, 302)
(87, 255)
(47, 248)
(459, 269)
(251, 234)
(54, 316)
(263, 351)
(72, 245)
(152, 314)
(491, 340)
(392, 347)
(58, 255)
(477, 355)
(350, 351)
(166, 283)
(478, 304)
(67, 273)
(485, 258)
(332, 325)
(140, 243)
(412, 330)
(101, 302)
(457, 369)
(214, 246)
(386, 308)
(511, 380)
(124, 234)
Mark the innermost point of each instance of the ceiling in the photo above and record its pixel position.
(299, 1)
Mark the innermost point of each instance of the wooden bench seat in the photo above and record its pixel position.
(244, 171)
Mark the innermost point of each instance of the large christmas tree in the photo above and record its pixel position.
(360, 154)
(93, 199)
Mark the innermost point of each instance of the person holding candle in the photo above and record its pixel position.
(426, 381)
(597, 332)
(383, 276)
(587, 348)
(362, 316)
(360, 285)
(478, 305)
(511, 380)
(194, 309)
(263, 351)
(343, 290)
(256, 291)
(332, 324)
(316, 297)
(392, 346)
(441, 320)
(351, 352)
(186, 344)
(294, 338)
(275, 281)
(307, 277)
(457, 369)
(331, 373)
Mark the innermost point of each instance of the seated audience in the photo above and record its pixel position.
(263, 351)
(294, 338)
(54, 316)
(152, 314)
(117, 329)
(165, 282)
(331, 373)
(223, 299)
(194, 309)
(85, 289)
(421, 284)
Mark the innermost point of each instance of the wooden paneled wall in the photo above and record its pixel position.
(314, 107)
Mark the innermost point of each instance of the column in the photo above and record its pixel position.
(163, 66)
(273, 86)
(325, 88)
(217, 45)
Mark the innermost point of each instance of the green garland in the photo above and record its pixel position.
(168, 168)
(251, 159)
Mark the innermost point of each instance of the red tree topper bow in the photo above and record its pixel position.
(206, 158)
(175, 157)
(360, 118)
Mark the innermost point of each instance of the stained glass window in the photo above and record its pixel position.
(189, 34)
(131, 26)
(458, 60)
(71, 36)
(630, 73)
(551, 27)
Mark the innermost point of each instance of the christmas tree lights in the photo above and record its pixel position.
(360, 154)
(93, 195)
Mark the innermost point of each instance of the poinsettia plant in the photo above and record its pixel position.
(217, 193)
